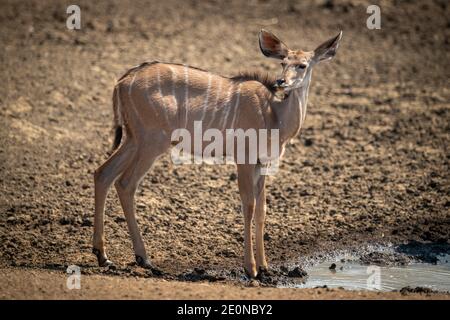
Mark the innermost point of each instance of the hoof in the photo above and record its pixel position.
(144, 263)
(103, 261)
(106, 263)
(251, 274)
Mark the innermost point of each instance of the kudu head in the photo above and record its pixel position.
(295, 63)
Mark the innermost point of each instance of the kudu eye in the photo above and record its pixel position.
(301, 66)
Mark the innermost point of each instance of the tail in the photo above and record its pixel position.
(117, 126)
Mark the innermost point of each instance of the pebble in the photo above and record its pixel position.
(297, 272)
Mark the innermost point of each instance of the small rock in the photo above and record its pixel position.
(228, 253)
(154, 180)
(297, 272)
(141, 206)
(86, 223)
(253, 283)
(307, 163)
(303, 193)
(333, 266)
(308, 142)
(233, 176)
(65, 221)
(11, 220)
(119, 219)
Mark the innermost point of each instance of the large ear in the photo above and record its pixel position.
(271, 46)
(328, 49)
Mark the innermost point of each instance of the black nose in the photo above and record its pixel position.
(280, 82)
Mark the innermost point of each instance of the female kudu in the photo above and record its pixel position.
(152, 100)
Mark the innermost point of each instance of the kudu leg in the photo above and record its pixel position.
(103, 178)
(126, 187)
(245, 183)
(260, 217)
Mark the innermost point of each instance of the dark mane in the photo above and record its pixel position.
(264, 78)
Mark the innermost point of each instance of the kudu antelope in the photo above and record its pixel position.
(153, 99)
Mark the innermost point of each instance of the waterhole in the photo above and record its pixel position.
(384, 269)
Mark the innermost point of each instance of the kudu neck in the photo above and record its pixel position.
(291, 112)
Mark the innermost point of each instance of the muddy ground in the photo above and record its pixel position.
(45, 284)
(371, 164)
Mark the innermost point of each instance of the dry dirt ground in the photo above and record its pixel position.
(371, 164)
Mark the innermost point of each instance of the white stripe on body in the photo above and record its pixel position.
(131, 84)
(175, 101)
(300, 102)
(164, 106)
(161, 94)
(186, 94)
(129, 93)
(149, 101)
(227, 108)
(205, 103)
(236, 106)
(213, 116)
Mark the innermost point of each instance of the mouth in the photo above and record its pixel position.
(289, 86)
(280, 84)
(286, 87)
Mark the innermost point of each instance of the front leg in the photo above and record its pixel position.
(260, 217)
(245, 183)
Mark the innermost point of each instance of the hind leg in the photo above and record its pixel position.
(104, 176)
(126, 187)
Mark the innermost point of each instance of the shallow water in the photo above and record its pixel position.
(353, 275)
